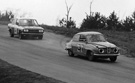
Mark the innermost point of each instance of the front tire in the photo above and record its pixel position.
(11, 33)
(40, 37)
(113, 59)
(91, 56)
(21, 36)
(70, 53)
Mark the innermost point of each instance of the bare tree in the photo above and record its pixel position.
(68, 12)
(90, 7)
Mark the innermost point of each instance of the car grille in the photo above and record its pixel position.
(109, 51)
(33, 31)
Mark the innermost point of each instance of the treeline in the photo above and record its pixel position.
(92, 21)
(98, 21)
(6, 15)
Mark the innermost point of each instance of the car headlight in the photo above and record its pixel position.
(101, 50)
(41, 30)
(115, 50)
(26, 30)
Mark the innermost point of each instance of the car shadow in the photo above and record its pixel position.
(28, 38)
(99, 60)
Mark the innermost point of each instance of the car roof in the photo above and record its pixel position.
(89, 32)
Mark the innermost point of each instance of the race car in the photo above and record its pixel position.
(24, 28)
(92, 45)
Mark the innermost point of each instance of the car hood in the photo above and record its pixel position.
(103, 44)
(32, 27)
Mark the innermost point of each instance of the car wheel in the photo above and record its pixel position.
(40, 37)
(91, 56)
(113, 59)
(21, 36)
(70, 53)
(11, 34)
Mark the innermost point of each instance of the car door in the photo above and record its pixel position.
(14, 27)
(81, 45)
(75, 41)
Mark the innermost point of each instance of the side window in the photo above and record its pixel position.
(76, 38)
(82, 38)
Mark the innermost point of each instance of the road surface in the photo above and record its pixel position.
(48, 57)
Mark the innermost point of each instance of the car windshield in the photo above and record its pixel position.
(96, 38)
(28, 22)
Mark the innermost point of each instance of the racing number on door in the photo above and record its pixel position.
(80, 48)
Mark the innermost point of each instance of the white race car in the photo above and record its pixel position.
(24, 28)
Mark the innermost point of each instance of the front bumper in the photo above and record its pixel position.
(32, 34)
(106, 55)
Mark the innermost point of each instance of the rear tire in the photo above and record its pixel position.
(113, 59)
(70, 53)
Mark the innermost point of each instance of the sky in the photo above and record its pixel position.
(50, 11)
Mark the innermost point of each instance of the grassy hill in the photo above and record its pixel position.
(125, 40)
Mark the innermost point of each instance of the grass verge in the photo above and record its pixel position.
(124, 40)
(14, 74)
(4, 22)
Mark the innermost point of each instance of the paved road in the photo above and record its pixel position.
(48, 58)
